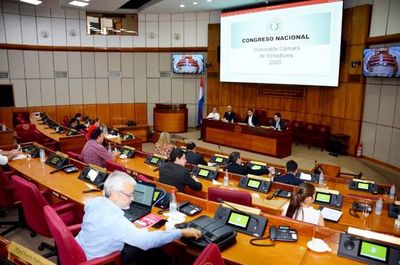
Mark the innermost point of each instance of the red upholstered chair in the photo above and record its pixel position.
(45, 141)
(65, 121)
(33, 203)
(270, 120)
(297, 132)
(210, 255)
(25, 132)
(321, 136)
(9, 200)
(69, 251)
(142, 178)
(238, 118)
(262, 116)
(235, 196)
(309, 133)
(111, 166)
(74, 155)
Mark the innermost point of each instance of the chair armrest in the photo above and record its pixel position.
(74, 229)
(62, 207)
(113, 257)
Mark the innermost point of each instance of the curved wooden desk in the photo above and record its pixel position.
(171, 118)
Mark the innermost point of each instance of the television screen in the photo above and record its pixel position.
(381, 62)
(297, 43)
(6, 96)
(187, 63)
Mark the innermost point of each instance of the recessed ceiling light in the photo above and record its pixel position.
(33, 2)
(182, 5)
(195, 3)
(209, 0)
(78, 3)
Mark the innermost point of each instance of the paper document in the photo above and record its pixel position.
(331, 214)
(20, 156)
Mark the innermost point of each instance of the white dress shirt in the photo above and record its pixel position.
(3, 160)
(250, 121)
(213, 116)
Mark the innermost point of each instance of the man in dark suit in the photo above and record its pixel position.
(192, 157)
(229, 115)
(278, 123)
(289, 177)
(175, 174)
(251, 119)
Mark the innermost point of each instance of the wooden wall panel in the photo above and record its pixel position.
(91, 111)
(103, 113)
(225, 94)
(128, 113)
(360, 22)
(212, 91)
(356, 55)
(116, 114)
(141, 113)
(325, 99)
(338, 100)
(287, 104)
(352, 128)
(51, 111)
(354, 99)
(77, 108)
(6, 116)
(61, 111)
(312, 100)
(236, 92)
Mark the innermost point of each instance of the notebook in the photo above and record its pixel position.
(331, 214)
(142, 202)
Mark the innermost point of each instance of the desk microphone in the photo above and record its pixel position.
(220, 150)
(240, 211)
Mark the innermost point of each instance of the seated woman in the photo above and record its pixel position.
(235, 166)
(163, 145)
(300, 206)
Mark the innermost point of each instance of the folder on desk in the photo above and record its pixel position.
(331, 214)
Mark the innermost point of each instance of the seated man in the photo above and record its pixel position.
(214, 115)
(74, 124)
(6, 156)
(251, 119)
(289, 177)
(229, 115)
(235, 166)
(192, 157)
(278, 123)
(94, 152)
(105, 229)
(175, 174)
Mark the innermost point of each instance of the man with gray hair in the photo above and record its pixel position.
(105, 228)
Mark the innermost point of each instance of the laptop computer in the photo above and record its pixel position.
(142, 202)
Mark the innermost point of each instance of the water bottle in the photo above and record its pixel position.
(321, 178)
(42, 155)
(109, 148)
(226, 179)
(3, 127)
(392, 192)
(173, 205)
(397, 223)
(378, 207)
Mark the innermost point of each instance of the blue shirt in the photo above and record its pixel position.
(105, 229)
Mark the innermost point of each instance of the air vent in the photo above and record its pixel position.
(114, 74)
(165, 74)
(3, 75)
(60, 74)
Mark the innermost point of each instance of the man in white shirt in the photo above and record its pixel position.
(214, 115)
(6, 156)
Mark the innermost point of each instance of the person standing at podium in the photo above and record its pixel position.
(278, 123)
(229, 115)
(251, 119)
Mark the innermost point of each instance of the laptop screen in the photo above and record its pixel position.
(144, 193)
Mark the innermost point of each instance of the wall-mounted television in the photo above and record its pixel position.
(381, 62)
(296, 43)
(188, 63)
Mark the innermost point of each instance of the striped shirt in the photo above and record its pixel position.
(95, 153)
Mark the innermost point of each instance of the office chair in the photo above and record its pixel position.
(33, 202)
(74, 155)
(111, 166)
(9, 200)
(44, 140)
(143, 178)
(70, 252)
(25, 132)
(210, 255)
(235, 196)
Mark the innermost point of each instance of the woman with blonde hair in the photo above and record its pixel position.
(163, 145)
(300, 207)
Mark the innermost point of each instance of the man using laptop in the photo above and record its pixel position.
(105, 229)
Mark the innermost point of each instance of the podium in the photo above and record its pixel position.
(172, 118)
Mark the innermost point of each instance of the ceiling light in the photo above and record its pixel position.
(209, 0)
(195, 3)
(78, 3)
(33, 2)
(182, 5)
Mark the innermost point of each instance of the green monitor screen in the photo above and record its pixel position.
(155, 196)
(362, 186)
(255, 184)
(373, 251)
(203, 172)
(256, 167)
(238, 219)
(219, 159)
(323, 197)
(126, 151)
(54, 160)
(154, 160)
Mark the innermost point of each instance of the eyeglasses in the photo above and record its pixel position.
(130, 195)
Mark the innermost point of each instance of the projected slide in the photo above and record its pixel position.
(296, 43)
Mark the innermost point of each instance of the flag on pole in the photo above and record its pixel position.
(200, 103)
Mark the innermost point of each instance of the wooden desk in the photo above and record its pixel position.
(6, 137)
(254, 139)
(136, 143)
(68, 186)
(140, 131)
(171, 118)
(73, 143)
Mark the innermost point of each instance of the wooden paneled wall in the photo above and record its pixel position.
(339, 107)
(110, 114)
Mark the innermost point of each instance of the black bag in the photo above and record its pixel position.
(212, 231)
